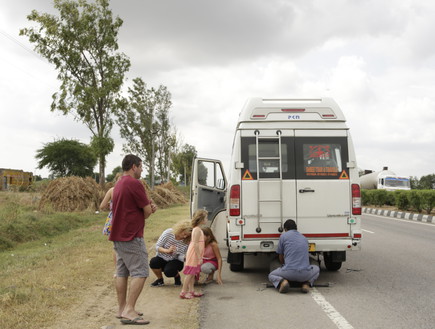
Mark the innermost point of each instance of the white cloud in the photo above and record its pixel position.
(374, 57)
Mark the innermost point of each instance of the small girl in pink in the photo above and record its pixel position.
(195, 252)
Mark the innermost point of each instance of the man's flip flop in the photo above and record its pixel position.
(135, 321)
(138, 313)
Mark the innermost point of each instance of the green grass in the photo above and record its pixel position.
(44, 277)
(20, 221)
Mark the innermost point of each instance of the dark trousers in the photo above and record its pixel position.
(169, 268)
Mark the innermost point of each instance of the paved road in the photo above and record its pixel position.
(389, 284)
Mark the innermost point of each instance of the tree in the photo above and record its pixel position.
(112, 176)
(414, 182)
(66, 157)
(82, 44)
(427, 182)
(182, 162)
(142, 119)
(166, 142)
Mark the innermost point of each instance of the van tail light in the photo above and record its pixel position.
(356, 199)
(235, 200)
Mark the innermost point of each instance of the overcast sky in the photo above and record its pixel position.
(376, 58)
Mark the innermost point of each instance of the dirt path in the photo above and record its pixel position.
(97, 308)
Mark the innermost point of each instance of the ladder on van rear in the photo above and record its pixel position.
(260, 181)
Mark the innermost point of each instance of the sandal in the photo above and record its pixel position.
(196, 294)
(138, 313)
(186, 295)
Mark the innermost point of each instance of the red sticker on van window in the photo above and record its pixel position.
(319, 151)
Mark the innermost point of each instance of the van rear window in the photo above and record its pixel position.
(270, 161)
(300, 158)
(321, 158)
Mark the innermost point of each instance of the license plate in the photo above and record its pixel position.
(311, 247)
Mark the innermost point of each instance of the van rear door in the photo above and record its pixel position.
(208, 187)
(267, 182)
(322, 183)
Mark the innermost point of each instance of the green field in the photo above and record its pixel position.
(48, 259)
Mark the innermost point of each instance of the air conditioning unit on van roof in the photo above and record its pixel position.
(291, 109)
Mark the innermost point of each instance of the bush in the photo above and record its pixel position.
(374, 197)
(365, 197)
(368, 197)
(402, 201)
(380, 197)
(428, 200)
(391, 200)
(415, 201)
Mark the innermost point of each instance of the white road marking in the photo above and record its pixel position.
(411, 221)
(330, 311)
(368, 231)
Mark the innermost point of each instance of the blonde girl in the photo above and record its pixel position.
(194, 255)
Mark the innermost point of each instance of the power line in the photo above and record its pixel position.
(11, 38)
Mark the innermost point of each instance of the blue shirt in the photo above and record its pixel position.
(294, 246)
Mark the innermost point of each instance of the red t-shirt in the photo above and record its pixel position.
(129, 199)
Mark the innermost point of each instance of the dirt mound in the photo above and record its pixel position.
(71, 194)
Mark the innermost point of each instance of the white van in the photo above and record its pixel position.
(291, 159)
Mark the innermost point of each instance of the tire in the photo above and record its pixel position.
(236, 267)
(333, 266)
(329, 264)
(236, 261)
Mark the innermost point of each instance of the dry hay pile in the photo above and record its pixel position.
(71, 194)
(165, 195)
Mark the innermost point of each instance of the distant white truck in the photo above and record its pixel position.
(291, 159)
(384, 180)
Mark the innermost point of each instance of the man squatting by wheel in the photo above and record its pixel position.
(293, 255)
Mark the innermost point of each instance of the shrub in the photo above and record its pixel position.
(428, 200)
(374, 197)
(415, 200)
(380, 197)
(365, 197)
(391, 200)
(402, 201)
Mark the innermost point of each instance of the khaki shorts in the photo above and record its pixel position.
(131, 258)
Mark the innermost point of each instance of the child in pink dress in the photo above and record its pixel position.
(212, 259)
(195, 252)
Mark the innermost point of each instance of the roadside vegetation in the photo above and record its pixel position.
(47, 260)
(418, 201)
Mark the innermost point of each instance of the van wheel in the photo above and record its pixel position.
(236, 267)
(236, 261)
(329, 264)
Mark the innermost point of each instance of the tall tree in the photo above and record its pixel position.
(67, 157)
(142, 119)
(182, 162)
(82, 44)
(165, 142)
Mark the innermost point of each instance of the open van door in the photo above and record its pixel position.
(208, 187)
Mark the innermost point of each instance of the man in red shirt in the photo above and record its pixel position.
(130, 209)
